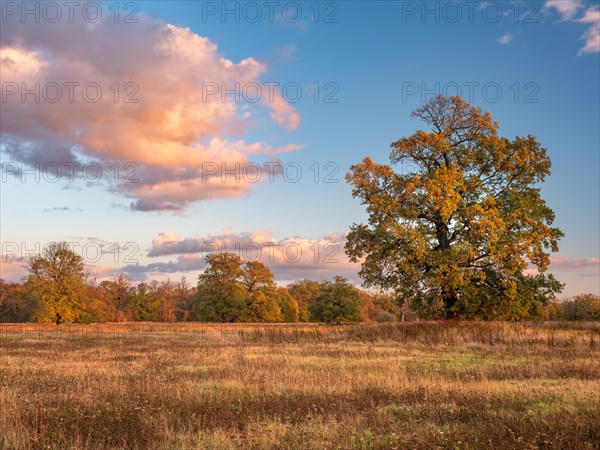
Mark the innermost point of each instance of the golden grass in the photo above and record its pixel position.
(187, 386)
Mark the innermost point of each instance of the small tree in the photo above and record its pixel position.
(144, 303)
(339, 301)
(118, 290)
(184, 297)
(221, 295)
(167, 301)
(57, 284)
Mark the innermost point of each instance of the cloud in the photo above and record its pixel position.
(171, 131)
(153, 205)
(286, 53)
(284, 114)
(568, 10)
(565, 8)
(183, 263)
(585, 267)
(12, 268)
(505, 39)
(167, 243)
(588, 275)
(289, 258)
(566, 263)
(63, 209)
(100, 247)
(592, 34)
(99, 273)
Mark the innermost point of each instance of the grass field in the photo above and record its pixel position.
(413, 385)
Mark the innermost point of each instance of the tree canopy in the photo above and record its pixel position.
(461, 220)
(305, 292)
(230, 290)
(57, 284)
(339, 301)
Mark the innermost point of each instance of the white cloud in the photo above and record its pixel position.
(568, 10)
(505, 39)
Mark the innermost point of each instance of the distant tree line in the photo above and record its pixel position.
(58, 289)
(579, 307)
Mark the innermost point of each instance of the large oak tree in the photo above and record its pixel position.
(461, 220)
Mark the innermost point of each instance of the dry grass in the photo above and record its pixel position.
(413, 385)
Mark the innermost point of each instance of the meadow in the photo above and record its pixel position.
(456, 385)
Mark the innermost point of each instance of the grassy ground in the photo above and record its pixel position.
(413, 385)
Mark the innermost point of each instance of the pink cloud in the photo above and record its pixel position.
(566, 263)
(584, 266)
(12, 268)
(592, 34)
(289, 258)
(284, 114)
(171, 130)
(565, 8)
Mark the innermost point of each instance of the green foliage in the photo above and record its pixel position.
(533, 292)
(466, 217)
(427, 307)
(144, 303)
(221, 302)
(305, 292)
(385, 302)
(221, 296)
(338, 302)
(232, 291)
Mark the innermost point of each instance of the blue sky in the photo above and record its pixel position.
(535, 68)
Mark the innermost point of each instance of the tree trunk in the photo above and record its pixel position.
(441, 232)
(450, 297)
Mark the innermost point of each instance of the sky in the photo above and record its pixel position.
(150, 133)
